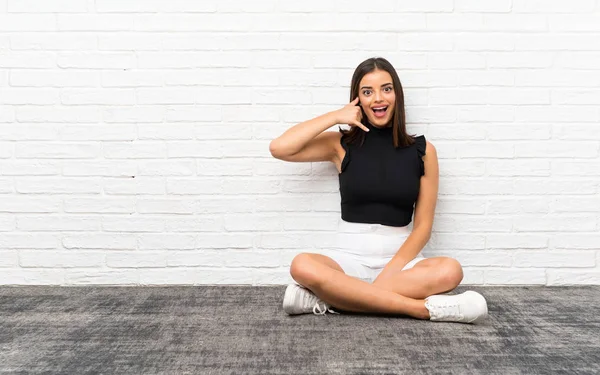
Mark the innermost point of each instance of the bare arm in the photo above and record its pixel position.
(304, 141)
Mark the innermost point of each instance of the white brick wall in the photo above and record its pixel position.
(134, 134)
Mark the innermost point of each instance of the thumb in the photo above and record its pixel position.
(355, 101)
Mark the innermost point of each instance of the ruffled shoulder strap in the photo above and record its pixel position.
(421, 144)
(346, 147)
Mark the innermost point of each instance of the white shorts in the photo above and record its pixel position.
(363, 250)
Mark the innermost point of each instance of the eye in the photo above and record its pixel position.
(388, 87)
(366, 92)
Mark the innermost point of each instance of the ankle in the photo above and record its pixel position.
(423, 311)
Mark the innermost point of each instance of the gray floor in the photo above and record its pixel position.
(243, 329)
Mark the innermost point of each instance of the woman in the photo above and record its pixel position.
(384, 175)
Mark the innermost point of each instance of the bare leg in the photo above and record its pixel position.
(351, 294)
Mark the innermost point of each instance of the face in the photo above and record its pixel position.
(377, 97)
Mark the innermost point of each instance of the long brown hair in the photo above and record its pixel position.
(401, 137)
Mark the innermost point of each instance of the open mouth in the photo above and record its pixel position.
(380, 111)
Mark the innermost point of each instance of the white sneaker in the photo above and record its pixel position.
(299, 300)
(467, 307)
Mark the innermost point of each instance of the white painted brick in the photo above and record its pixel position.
(7, 223)
(575, 241)
(99, 205)
(461, 206)
(545, 186)
(518, 206)
(557, 114)
(129, 78)
(423, 42)
(514, 276)
(58, 223)
(553, 6)
(27, 22)
(196, 224)
(135, 259)
(166, 168)
(53, 78)
(554, 259)
(222, 204)
(98, 96)
(53, 41)
(576, 204)
(452, 241)
(25, 96)
(79, 114)
(32, 276)
(106, 169)
(482, 113)
(497, 77)
(30, 204)
(119, 132)
(576, 132)
(218, 258)
(224, 167)
(461, 168)
(155, 241)
(6, 150)
(40, 6)
(7, 186)
(515, 241)
(307, 186)
(573, 22)
(575, 168)
(182, 113)
(164, 206)
(101, 277)
(179, 186)
(465, 6)
(134, 150)
(472, 276)
(99, 241)
(195, 149)
(310, 221)
(455, 132)
(515, 22)
(456, 60)
(283, 241)
(478, 258)
(501, 132)
(236, 186)
(472, 186)
(556, 223)
(133, 186)
(26, 168)
(467, 223)
(95, 22)
(441, 22)
(8, 259)
(7, 114)
(555, 149)
(39, 150)
(254, 222)
(29, 241)
(165, 131)
(573, 277)
(518, 167)
(61, 259)
(137, 114)
(486, 150)
(519, 60)
(549, 78)
(132, 224)
(42, 185)
(224, 241)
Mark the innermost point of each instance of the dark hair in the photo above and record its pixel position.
(400, 136)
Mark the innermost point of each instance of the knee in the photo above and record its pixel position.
(304, 269)
(451, 273)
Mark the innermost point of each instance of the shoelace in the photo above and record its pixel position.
(446, 309)
(318, 311)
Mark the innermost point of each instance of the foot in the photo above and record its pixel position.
(467, 307)
(299, 300)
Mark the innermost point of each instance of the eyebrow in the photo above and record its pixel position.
(369, 87)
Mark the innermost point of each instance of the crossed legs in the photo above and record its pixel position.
(401, 292)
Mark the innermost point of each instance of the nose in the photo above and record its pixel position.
(377, 96)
